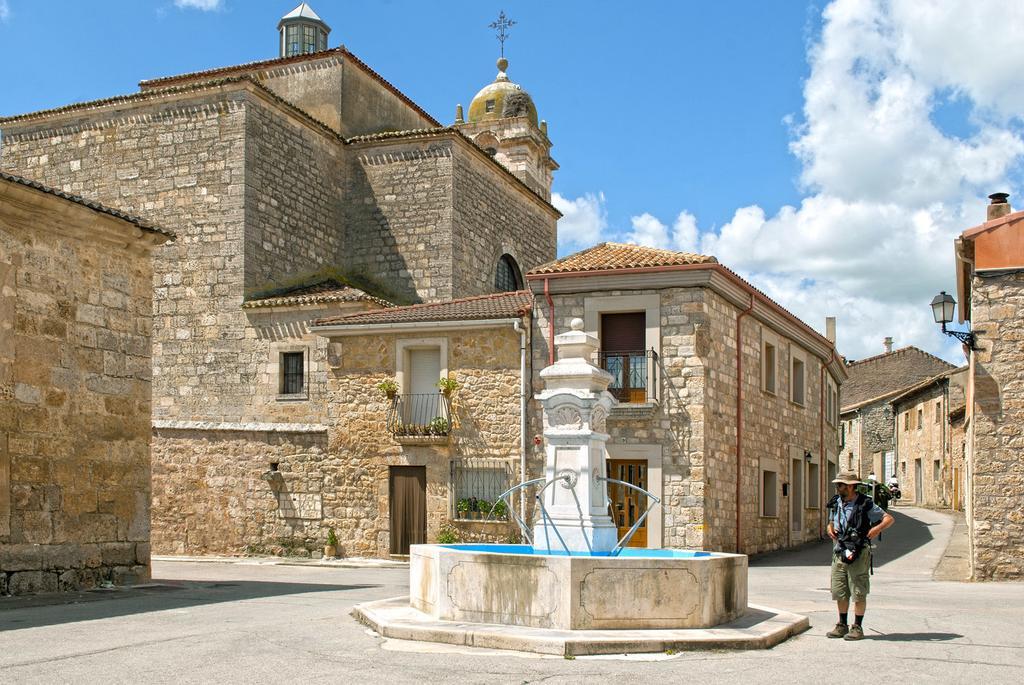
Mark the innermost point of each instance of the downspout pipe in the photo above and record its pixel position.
(739, 414)
(519, 328)
(551, 324)
(822, 458)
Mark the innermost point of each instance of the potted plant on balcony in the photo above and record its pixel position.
(448, 386)
(462, 507)
(331, 548)
(438, 426)
(483, 508)
(389, 387)
(499, 509)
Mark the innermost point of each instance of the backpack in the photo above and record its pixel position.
(854, 536)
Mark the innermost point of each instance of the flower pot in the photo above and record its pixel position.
(330, 551)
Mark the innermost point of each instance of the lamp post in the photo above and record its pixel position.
(943, 306)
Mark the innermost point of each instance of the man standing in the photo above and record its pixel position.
(854, 520)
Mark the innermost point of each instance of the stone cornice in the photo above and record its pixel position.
(254, 427)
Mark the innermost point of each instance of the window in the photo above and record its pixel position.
(769, 494)
(476, 484)
(938, 412)
(507, 277)
(798, 388)
(906, 421)
(623, 336)
(291, 41)
(293, 374)
(813, 486)
(920, 418)
(768, 359)
(489, 106)
(842, 435)
(937, 470)
(308, 39)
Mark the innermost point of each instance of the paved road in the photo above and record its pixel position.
(234, 623)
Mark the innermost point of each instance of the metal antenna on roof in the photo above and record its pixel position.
(501, 26)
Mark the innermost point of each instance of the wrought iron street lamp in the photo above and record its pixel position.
(943, 306)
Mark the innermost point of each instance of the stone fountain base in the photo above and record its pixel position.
(506, 584)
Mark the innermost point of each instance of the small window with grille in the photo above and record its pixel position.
(293, 374)
(507, 277)
(489, 106)
(476, 485)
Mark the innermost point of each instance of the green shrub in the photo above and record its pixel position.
(332, 538)
(447, 536)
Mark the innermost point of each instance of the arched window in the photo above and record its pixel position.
(508, 277)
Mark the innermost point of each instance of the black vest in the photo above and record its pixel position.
(860, 521)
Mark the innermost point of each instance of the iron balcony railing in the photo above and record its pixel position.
(634, 375)
(476, 485)
(429, 414)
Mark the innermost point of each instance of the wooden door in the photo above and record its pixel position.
(407, 491)
(918, 483)
(796, 495)
(628, 505)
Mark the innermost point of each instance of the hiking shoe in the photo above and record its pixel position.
(840, 630)
(856, 633)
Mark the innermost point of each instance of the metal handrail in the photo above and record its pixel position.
(636, 526)
(421, 414)
(649, 372)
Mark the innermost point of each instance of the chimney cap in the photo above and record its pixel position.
(999, 198)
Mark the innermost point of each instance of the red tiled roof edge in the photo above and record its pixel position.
(95, 206)
(284, 61)
(546, 269)
(356, 318)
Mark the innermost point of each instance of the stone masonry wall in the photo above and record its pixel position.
(924, 441)
(75, 325)
(996, 480)
(492, 217)
(399, 217)
(775, 431)
(294, 223)
(180, 164)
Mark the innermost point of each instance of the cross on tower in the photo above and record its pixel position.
(502, 26)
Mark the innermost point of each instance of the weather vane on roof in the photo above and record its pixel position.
(502, 26)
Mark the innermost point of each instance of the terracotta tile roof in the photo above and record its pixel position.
(956, 393)
(884, 376)
(328, 290)
(285, 61)
(95, 206)
(510, 305)
(608, 256)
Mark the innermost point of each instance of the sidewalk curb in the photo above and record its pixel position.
(348, 562)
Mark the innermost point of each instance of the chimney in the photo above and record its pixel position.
(999, 207)
(830, 329)
(888, 344)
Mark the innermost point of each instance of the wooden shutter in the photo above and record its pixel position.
(623, 332)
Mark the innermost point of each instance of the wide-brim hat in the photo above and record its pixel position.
(848, 477)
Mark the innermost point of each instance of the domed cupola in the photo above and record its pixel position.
(502, 99)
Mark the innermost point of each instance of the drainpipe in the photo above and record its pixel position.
(519, 328)
(739, 413)
(551, 324)
(822, 458)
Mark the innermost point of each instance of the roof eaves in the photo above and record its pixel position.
(95, 206)
(361, 317)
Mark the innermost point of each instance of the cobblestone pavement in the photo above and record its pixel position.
(255, 623)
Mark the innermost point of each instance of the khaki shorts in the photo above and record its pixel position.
(852, 579)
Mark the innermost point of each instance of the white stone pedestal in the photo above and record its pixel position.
(576, 403)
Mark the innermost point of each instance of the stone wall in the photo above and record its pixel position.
(294, 179)
(876, 438)
(399, 217)
(996, 478)
(75, 325)
(958, 463)
(776, 431)
(923, 441)
(492, 216)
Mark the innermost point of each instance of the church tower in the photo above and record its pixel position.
(503, 121)
(302, 31)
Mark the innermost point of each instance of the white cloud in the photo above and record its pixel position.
(583, 220)
(204, 5)
(886, 188)
(5, 10)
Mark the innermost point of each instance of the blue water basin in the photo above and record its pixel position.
(628, 552)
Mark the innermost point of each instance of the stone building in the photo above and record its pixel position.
(990, 285)
(75, 320)
(868, 425)
(333, 235)
(728, 404)
(924, 440)
(280, 176)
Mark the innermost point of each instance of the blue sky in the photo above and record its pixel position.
(828, 151)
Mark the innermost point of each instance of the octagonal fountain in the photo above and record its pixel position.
(575, 587)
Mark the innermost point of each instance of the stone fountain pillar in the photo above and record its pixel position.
(576, 403)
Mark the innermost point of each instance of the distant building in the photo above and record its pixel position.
(990, 285)
(76, 294)
(868, 424)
